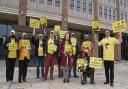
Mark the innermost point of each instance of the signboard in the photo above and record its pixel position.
(62, 33)
(25, 43)
(43, 21)
(57, 28)
(34, 23)
(81, 63)
(12, 46)
(95, 62)
(96, 25)
(119, 26)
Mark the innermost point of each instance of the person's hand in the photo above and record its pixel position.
(34, 32)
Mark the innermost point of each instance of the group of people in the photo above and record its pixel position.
(51, 50)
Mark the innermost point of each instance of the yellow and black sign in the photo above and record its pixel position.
(34, 23)
(57, 28)
(96, 25)
(95, 62)
(119, 26)
(62, 34)
(12, 46)
(43, 21)
(25, 43)
(81, 62)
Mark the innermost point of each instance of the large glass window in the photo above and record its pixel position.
(57, 3)
(78, 5)
(49, 2)
(100, 10)
(109, 13)
(41, 1)
(72, 4)
(90, 8)
(105, 12)
(114, 14)
(84, 6)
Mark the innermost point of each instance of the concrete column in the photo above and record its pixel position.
(118, 47)
(95, 11)
(22, 12)
(64, 23)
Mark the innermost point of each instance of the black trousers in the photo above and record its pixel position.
(10, 64)
(109, 70)
(23, 64)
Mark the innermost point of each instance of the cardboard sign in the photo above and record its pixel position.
(87, 44)
(81, 62)
(12, 46)
(25, 43)
(57, 28)
(62, 33)
(34, 23)
(43, 21)
(96, 25)
(95, 62)
(119, 26)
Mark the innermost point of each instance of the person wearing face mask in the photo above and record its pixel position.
(50, 59)
(39, 44)
(24, 56)
(11, 46)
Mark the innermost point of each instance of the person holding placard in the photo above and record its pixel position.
(66, 60)
(24, 56)
(39, 44)
(75, 52)
(87, 52)
(50, 53)
(11, 46)
(108, 44)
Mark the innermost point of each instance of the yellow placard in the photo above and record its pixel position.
(81, 62)
(57, 28)
(40, 51)
(25, 43)
(34, 23)
(43, 21)
(12, 46)
(119, 26)
(95, 62)
(96, 25)
(87, 44)
(62, 33)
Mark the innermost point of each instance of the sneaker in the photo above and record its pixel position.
(106, 82)
(67, 80)
(111, 84)
(64, 80)
(76, 76)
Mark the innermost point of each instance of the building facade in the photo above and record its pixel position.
(80, 13)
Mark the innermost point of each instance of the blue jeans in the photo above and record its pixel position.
(40, 63)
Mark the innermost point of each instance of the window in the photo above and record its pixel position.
(84, 6)
(109, 13)
(121, 2)
(114, 14)
(49, 2)
(90, 8)
(121, 15)
(113, 1)
(78, 5)
(33, 0)
(41, 1)
(105, 12)
(72, 4)
(57, 3)
(100, 10)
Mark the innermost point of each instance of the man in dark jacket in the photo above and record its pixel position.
(39, 44)
(10, 45)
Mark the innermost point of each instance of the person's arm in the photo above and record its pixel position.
(33, 37)
(6, 43)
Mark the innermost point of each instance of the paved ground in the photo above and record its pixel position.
(121, 80)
